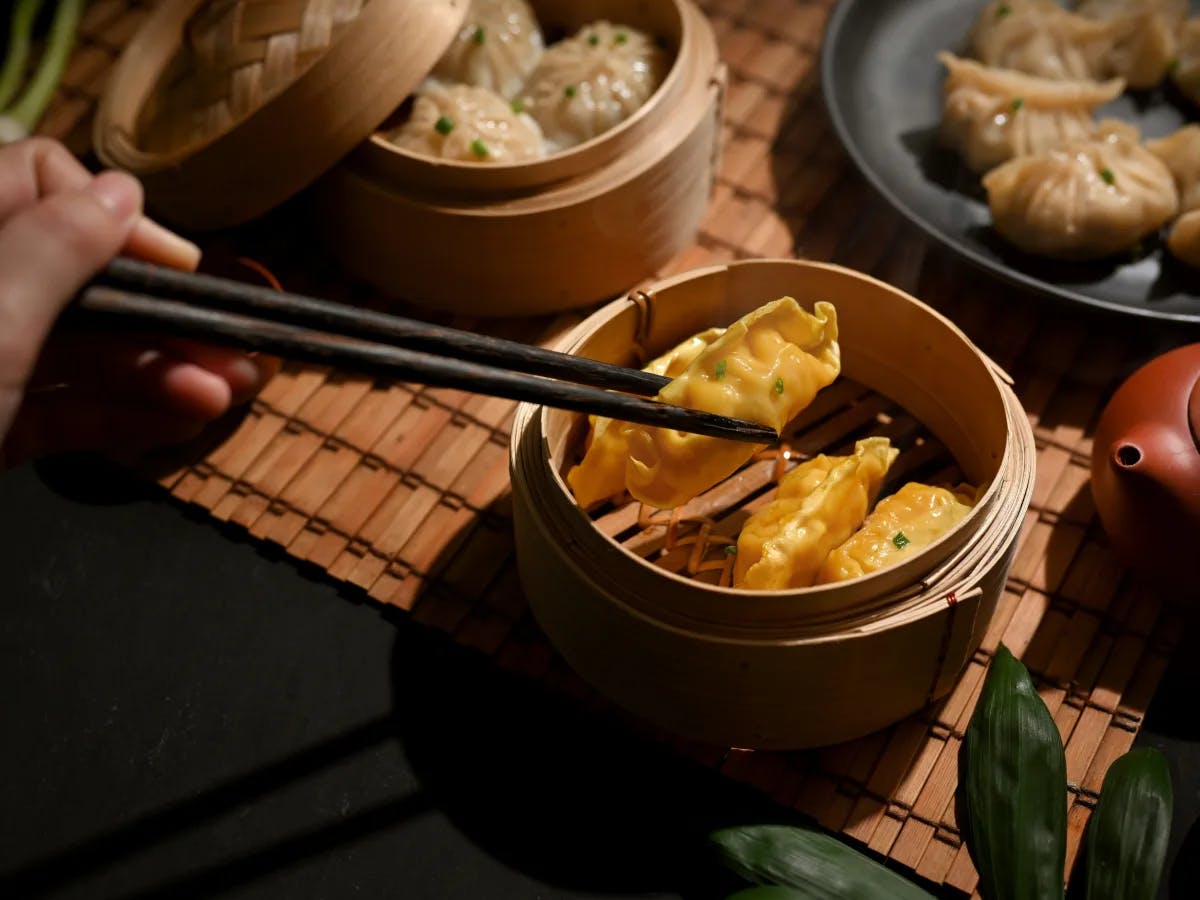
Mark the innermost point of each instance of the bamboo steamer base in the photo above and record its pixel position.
(533, 250)
(780, 669)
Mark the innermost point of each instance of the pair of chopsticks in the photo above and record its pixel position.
(134, 295)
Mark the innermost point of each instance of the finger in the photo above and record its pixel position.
(39, 167)
(70, 422)
(245, 374)
(47, 252)
(133, 369)
(35, 168)
(153, 243)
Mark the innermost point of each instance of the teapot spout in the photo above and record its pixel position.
(1149, 450)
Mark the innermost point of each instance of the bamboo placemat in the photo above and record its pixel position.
(403, 491)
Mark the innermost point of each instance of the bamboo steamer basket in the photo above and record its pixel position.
(226, 108)
(779, 669)
(537, 237)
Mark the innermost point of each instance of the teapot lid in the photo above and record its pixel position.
(225, 108)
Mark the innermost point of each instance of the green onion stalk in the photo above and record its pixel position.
(20, 119)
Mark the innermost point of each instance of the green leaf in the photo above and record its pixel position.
(810, 863)
(1127, 835)
(1015, 784)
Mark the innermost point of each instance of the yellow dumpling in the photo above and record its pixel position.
(605, 473)
(901, 525)
(820, 504)
(765, 368)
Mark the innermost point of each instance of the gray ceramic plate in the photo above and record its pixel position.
(883, 88)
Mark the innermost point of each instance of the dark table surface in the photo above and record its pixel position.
(185, 714)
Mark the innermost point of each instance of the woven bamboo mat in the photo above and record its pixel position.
(402, 491)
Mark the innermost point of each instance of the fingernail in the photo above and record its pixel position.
(244, 376)
(117, 192)
(170, 249)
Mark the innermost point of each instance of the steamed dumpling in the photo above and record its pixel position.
(1039, 37)
(1181, 154)
(820, 504)
(497, 47)
(468, 124)
(1148, 39)
(991, 115)
(1185, 70)
(605, 473)
(901, 525)
(766, 367)
(593, 81)
(1084, 200)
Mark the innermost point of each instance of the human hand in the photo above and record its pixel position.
(59, 226)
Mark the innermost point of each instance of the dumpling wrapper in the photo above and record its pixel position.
(1084, 200)
(1135, 41)
(820, 504)
(1181, 154)
(483, 127)
(766, 367)
(1185, 69)
(593, 81)
(992, 115)
(497, 47)
(609, 468)
(920, 513)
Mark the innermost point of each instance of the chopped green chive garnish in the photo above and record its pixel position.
(480, 35)
(1108, 176)
(620, 38)
(900, 540)
(593, 39)
(518, 105)
(731, 550)
(569, 90)
(1018, 103)
(779, 385)
(1003, 10)
(479, 148)
(444, 125)
(1173, 65)
(721, 367)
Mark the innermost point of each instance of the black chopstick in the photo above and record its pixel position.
(101, 303)
(234, 296)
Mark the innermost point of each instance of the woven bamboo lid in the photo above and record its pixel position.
(225, 108)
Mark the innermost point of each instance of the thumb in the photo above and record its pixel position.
(48, 251)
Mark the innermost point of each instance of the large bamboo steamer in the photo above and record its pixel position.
(780, 669)
(226, 108)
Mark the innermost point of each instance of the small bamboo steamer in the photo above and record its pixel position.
(554, 234)
(780, 669)
(225, 108)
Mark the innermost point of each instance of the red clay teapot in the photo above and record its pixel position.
(1146, 469)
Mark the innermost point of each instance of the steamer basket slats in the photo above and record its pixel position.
(796, 194)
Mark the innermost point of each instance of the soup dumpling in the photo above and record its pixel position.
(991, 115)
(1084, 200)
(497, 47)
(591, 82)
(820, 504)
(468, 124)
